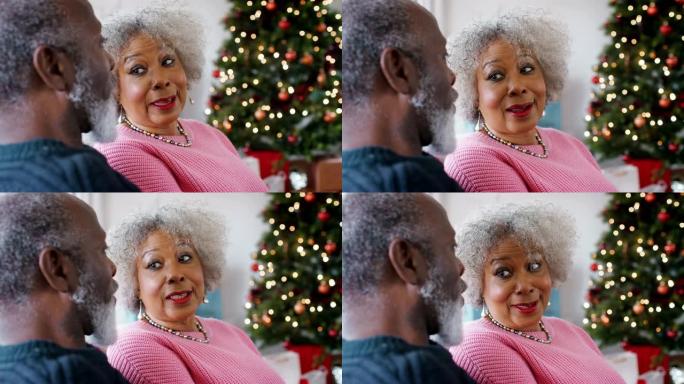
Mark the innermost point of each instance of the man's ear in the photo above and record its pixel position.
(54, 68)
(399, 71)
(407, 262)
(57, 270)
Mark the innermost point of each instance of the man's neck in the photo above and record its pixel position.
(27, 323)
(387, 320)
(27, 120)
(379, 127)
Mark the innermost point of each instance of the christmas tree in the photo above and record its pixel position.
(295, 293)
(637, 106)
(279, 77)
(637, 290)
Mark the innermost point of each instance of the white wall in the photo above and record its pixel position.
(243, 222)
(584, 19)
(211, 12)
(584, 207)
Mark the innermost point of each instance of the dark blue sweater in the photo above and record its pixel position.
(376, 169)
(50, 166)
(44, 362)
(391, 360)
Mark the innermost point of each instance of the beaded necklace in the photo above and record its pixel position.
(199, 326)
(188, 141)
(516, 146)
(521, 333)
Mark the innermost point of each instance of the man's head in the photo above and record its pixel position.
(404, 242)
(394, 52)
(57, 52)
(53, 248)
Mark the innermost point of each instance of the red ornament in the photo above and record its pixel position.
(292, 139)
(216, 73)
(271, 6)
(324, 288)
(310, 197)
(650, 197)
(671, 333)
(594, 267)
(595, 80)
(283, 95)
(638, 308)
(330, 247)
(663, 216)
(299, 308)
(680, 2)
(255, 267)
(672, 61)
(291, 55)
(307, 59)
(332, 333)
(323, 216)
(639, 121)
(665, 29)
(321, 27)
(260, 114)
(284, 24)
(662, 289)
(652, 10)
(670, 248)
(329, 117)
(673, 147)
(664, 102)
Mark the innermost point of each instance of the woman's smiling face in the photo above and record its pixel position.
(152, 85)
(516, 286)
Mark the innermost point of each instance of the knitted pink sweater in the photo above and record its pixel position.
(481, 164)
(211, 164)
(145, 354)
(491, 355)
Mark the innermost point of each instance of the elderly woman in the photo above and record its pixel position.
(506, 70)
(167, 261)
(513, 256)
(157, 53)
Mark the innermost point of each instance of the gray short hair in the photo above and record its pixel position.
(370, 221)
(206, 231)
(545, 37)
(178, 29)
(29, 223)
(540, 229)
(369, 27)
(24, 26)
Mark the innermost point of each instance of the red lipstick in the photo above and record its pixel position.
(180, 297)
(165, 103)
(520, 110)
(526, 308)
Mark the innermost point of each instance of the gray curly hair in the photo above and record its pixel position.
(540, 229)
(23, 30)
(176, 28)
(369, 27)
(545, 37)
(204, 229)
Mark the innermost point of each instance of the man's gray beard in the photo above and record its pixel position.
(448, 309)
(102, 314)
(440, 120)
(101, 114)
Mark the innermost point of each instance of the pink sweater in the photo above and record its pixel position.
(481, 164)
(211, 164)
(491, 355)
(145, 354)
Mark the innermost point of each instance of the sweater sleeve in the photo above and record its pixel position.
(141, 167)
(145, 361)
(479, 169)
(491, 362)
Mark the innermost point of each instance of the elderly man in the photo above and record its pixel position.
(398, 96)
(402, 283)
(55, 84)
(58, 286)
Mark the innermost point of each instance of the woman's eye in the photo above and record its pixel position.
(535, 267)
(527, 69)
(503, 273)
(168, 61)
(154, 265)
(137, 71)
(185, 258)
(496, 76)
